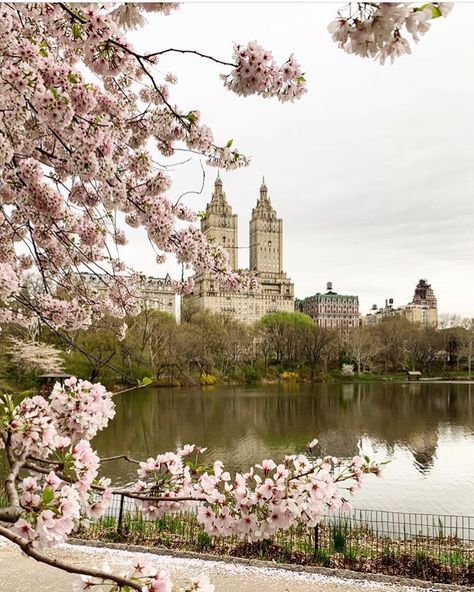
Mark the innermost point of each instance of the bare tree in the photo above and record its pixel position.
(315, 345)
(363, 345)
(466, 349)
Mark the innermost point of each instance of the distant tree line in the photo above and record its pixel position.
(203, 345)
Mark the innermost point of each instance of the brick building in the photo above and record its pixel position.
(332, 310)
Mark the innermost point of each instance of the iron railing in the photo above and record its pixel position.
(430, 546)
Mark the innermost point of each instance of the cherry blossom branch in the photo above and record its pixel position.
(160, 498)
(71, 13)
(120, 456)
(10, 482)
(150, 76)
(28, 549)
(144, 496)
(10, 514)
(190, 51)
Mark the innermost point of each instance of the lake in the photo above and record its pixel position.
(425, 430)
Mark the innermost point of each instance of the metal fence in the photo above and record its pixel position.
(435, 547)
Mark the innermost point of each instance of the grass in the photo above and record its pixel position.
(339, 533)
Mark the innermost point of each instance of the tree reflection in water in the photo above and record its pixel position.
(426, 430)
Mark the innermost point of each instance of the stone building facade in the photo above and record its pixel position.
(377, 314)
(220, 223)
(155, 293)
(331, 310)
(275, 291)
(422, 309)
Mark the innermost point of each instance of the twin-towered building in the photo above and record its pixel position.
(275, 291)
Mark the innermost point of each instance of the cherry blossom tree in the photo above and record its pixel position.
(87, 127)
(29, 356)
(85, 121)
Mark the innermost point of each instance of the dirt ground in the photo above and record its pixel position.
(21, 574)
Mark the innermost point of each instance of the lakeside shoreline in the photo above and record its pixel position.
(373, 379)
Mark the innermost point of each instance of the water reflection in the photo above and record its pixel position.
(425, 429)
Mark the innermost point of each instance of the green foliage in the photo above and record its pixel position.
(3, 499)
(435, 11)
(8, 403)
(351, 553)
(456, 558)
(145, 381)
(287, 319)
(107, 522)
(422, 561)
(48, 495)
(251, 375)
(156, 350)
(323, 557)
(339, 533)
(340, 545)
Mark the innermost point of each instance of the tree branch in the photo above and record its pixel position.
(119, 456)
(10, 482)
(145, 497)
(10, 514)
(138, 495)
(27, 548)
(192, 51)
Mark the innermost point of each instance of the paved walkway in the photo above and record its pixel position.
(21, 574)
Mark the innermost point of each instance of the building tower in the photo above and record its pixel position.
(266, 236)
(424, 295)
(220, 224)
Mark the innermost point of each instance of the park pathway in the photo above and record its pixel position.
(21, 574)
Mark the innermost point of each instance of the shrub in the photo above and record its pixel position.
(251, 375)
(207, 379)
(289, 376)
(347, 370)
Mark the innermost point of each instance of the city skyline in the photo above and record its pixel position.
(370, 171)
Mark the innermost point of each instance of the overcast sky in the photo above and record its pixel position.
(372, 171)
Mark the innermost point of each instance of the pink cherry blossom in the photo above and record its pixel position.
(377, 30)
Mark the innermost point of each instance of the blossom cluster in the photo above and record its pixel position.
(80, 408)
(52, 509)
(169, 476)
(151, 580)
(256, 72)
(30, 355)
(256, 504)
(376, 30)
(40, 433)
